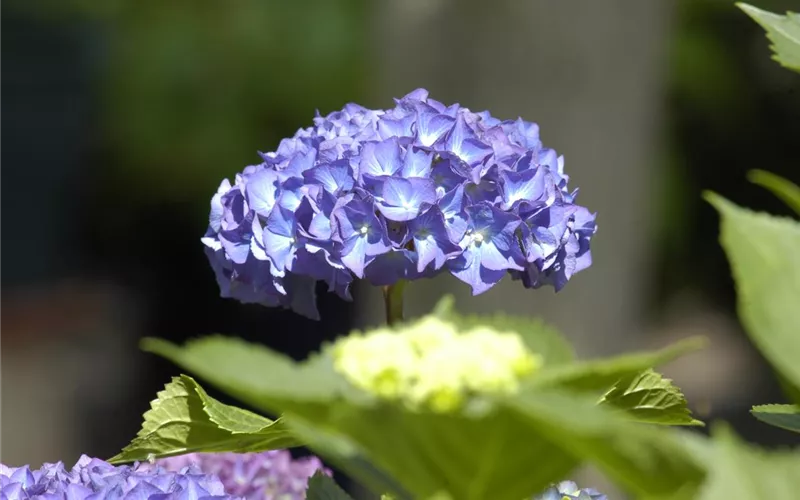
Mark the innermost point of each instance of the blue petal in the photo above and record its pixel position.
(282, 222)
(403, 199)
(280, 249)
(463, 142)
(431, 125)
(528, 185)
(431, 240)
(142, 491)
(468, 269)
(354, 255)
(417, 163)
(334, 177)
(381, 158)
(262, 191)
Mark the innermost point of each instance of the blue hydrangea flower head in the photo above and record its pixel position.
(568, 490)
(94, 479)
(401, 193)
(270, 475)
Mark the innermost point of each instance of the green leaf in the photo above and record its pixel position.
(599, 375)
(764, 257)
(648, 461)
(780, 187)
(184, 419)
(650, 398)
(472, 454)
(783, 416)
(783, 32)
(425, 453)
(741, 472)
(323, 487)
(342, 453)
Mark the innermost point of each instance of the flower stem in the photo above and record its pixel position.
(393, 300)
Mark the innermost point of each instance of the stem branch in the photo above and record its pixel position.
(393, 301)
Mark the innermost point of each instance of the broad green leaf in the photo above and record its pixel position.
(341, 452)
(425, 453)
(184, 419)
(599, 375)
(323, 487)
(739, 471)
(783, 416)
(537, 335)
(764, 257)
(648, 461)
(471, 454)
(649, 397)
(780, 187)
(783, 32)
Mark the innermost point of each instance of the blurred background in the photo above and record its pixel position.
(120, 118)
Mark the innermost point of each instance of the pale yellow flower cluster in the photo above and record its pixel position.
(429, 364)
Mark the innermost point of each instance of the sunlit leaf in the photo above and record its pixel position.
(783, 416)
(184, 419)
(764, 257)
(649, 397)
(783, 32)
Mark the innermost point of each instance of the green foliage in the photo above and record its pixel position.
(780, 187)
(764, 257)
(649, 461)
(783, 32)
(650, 398)
(323, 487)
(184, 419)
(468, 454)
(599, 375)
(783, 416)
(741, 472)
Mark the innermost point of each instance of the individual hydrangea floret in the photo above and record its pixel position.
(568, 490)
(397, 194)
(94, 479)
(254, 476)
(429, 364)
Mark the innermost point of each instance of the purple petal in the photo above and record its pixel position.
(468, 269)
(334, 177)
(462, 142)
(417, 163)
(380, 158)
(262, 191)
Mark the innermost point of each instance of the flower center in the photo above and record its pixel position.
(364, 229)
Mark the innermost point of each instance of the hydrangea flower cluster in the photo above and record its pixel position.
(94, 479)
(430, 364)
(568, 490)
(395, 194)
(254, 476)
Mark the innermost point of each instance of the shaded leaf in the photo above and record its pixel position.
(783, 416)
(184, 419)
(646, 460)
(763, 253)
(780, 187)
(739, 471)
(323, 487)
(599, 375)
(783, 32)
(649, 397)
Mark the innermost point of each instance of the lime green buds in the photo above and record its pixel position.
(429, 364)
